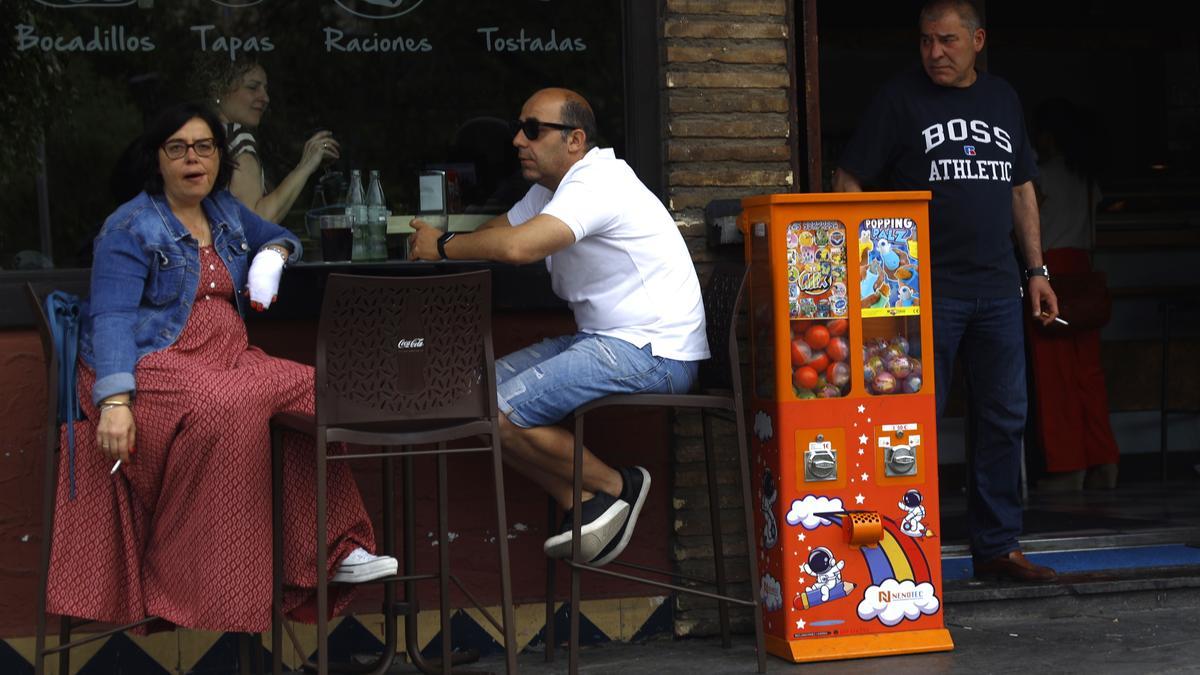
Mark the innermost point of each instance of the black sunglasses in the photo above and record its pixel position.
(532, 127)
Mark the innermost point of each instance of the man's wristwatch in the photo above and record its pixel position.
(1031, 272)
(442, 243)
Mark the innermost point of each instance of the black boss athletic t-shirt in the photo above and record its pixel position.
(969, 147)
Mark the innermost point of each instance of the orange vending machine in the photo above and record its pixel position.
(844, 438)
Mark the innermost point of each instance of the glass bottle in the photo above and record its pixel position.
(356, 213)
(377, 215)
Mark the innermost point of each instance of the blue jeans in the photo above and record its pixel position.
(543, 383)
(989, 334)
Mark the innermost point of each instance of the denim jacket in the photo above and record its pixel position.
(144, 276)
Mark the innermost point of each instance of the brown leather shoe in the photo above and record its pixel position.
(1013, 566)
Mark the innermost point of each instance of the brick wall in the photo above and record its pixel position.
(727, 97)
(728, 131)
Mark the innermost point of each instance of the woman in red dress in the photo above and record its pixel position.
(181, 530)
(1070, 395)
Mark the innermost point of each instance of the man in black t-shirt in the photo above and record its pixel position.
(961, 133)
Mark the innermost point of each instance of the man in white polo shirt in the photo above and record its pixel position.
(616, 256)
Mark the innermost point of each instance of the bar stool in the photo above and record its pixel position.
(36, 293)
(720, 389)
(401, 362)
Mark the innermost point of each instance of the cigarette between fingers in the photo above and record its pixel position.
(1059, 319)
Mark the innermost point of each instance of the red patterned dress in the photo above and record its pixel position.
(184, 532)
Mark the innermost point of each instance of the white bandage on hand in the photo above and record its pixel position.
(265, 271)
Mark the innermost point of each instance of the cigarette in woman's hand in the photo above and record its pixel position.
(1057, 318)
(117, 464)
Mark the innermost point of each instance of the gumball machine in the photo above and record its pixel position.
(844, 437)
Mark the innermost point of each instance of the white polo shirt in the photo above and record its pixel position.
(629, 274)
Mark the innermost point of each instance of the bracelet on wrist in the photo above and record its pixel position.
(283, 253)
(442, 241)
(109, 405)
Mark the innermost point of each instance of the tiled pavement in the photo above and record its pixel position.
(1135, 621)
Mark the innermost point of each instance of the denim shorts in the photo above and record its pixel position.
(544, 383)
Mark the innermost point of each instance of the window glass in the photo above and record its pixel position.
(890, 267)
(817, 307)
(404, 85)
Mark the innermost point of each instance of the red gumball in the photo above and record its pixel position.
(805, 377)
(838, 327)
(817, 336)
(838, 350)
(818, 362)
(801, 352)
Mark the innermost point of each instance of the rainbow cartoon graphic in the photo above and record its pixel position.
(896, 557)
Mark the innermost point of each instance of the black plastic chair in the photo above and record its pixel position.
(720, 389)
(248, 658)
(401, 362)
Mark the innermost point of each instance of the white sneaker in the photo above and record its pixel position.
(361, 566)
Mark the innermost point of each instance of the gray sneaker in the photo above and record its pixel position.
(603, 517)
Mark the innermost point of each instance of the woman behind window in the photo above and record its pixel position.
(238, 90)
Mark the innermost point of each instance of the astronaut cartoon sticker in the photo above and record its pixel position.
(770, 535)
(810, 513)
(913, 523)
(827, 570)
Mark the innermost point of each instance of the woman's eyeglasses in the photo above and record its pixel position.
(204, 147)
(532, 127)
